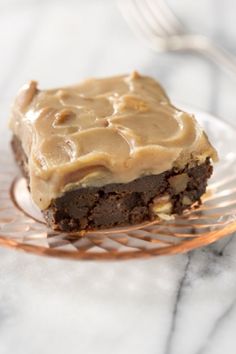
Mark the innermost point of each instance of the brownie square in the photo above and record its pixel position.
(109, 152)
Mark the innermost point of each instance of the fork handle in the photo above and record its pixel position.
(216, 53)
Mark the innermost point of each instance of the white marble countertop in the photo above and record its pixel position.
(183, 304)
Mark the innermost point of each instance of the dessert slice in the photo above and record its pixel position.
(108, 152)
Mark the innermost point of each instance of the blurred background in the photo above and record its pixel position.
(54, 306)
(61, 42)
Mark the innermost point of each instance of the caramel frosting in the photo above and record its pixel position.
(102, 131)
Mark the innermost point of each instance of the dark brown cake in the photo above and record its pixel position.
(108, 152)
(122, 204)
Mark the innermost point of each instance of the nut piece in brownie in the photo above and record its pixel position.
(108, 152)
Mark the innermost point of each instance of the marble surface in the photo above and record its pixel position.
(184, 304)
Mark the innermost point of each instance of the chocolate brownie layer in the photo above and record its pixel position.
(123, 204)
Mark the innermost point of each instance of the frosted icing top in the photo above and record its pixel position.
(102, 131)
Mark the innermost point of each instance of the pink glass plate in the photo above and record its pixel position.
(22, 227)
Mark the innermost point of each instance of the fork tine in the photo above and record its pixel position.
(135, 19)
(126, 9)
(150, 20)
(160, 24)
(166, 17)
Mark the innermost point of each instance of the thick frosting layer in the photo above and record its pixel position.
(102, 131)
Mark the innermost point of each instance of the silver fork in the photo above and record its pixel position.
(157, 25)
